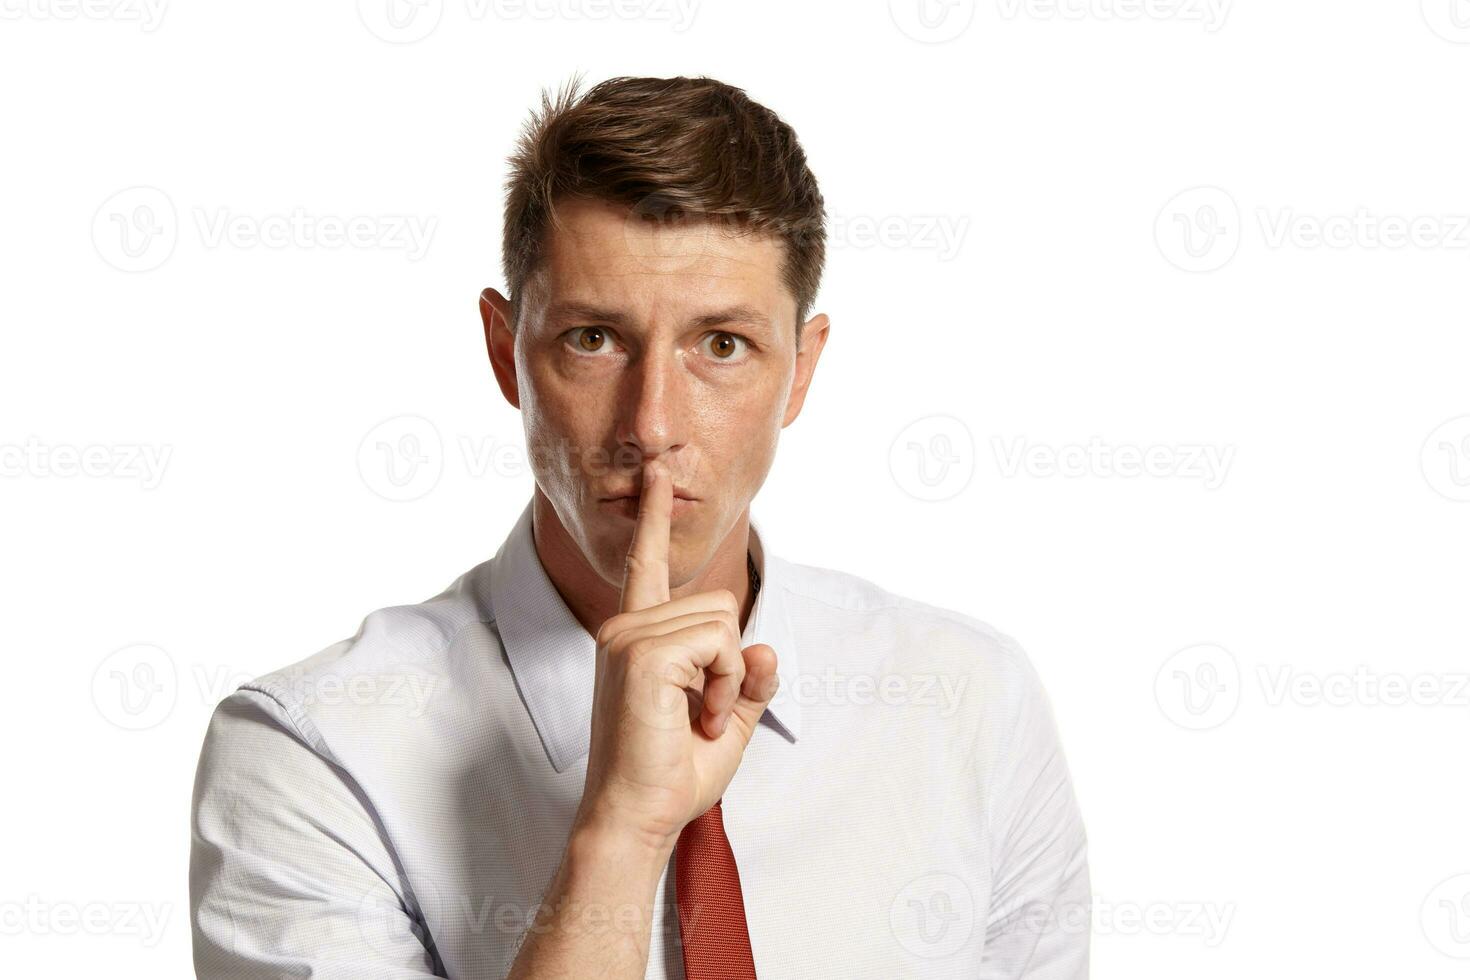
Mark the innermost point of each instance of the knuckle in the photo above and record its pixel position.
(614, 627)
(679, 672)
(728, 602)
(640, 650)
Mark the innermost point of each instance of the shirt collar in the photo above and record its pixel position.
(553, 657)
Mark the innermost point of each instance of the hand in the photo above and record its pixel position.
(676, 700)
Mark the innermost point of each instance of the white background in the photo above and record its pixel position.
(1064, 239)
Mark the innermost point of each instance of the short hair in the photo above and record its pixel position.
(668, 148)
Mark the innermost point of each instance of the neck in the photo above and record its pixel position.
(593, 600)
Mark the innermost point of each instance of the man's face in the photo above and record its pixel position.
(641, 340)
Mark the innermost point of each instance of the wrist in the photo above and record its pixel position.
(608, 843)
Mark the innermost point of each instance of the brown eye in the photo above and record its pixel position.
(724, 345)
(590, 339)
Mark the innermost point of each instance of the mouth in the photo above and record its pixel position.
(634, 495)
(626, 505)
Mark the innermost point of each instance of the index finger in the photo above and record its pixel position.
(646, 571)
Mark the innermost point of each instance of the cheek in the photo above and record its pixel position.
(551, 439)
(737, 441)
(571, 443)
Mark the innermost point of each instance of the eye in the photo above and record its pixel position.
(588, 340)
(730, 347)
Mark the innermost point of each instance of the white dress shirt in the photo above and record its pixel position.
(396, 805)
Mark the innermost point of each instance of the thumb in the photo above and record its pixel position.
(759, 686)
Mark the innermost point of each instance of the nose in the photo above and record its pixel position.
(653, 411)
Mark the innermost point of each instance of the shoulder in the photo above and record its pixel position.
(913, 631)
(397, 657)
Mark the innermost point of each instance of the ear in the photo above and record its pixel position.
(813, 339)
(500, 343)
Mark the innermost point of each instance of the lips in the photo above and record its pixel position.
(634, 495)
(629, 506)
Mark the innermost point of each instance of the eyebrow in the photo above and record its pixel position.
(738, 314)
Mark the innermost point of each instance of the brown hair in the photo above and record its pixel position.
(669, 148)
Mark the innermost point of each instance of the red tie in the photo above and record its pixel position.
(711, 910)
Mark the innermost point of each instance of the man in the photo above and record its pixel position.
(636, 742)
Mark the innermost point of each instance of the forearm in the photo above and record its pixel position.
(596, 917)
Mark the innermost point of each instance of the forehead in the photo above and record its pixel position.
(604, 253)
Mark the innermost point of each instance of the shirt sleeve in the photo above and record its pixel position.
(289, 870)
(1039, 926)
